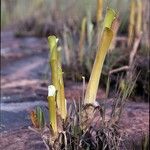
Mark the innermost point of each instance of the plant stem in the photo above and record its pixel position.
(52, 108)
(63, 108)
(107, 35)
(54, 66)
(92, 87)
(131, 22)
(99, 10)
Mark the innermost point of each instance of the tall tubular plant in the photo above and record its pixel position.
(52, 108)
(99, 10)
(135, 22)
(57, 76)
(139, 17)
(54, 65)
(63, 108)
(131, 22)
(107, 35)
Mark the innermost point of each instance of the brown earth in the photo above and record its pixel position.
(134, 122)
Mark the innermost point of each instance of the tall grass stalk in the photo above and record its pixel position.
(99, 12)
(107, 35)
(139, 17)
(54, 66)
(131, 23)
(52, 108)
(63, 108)
(57, 76)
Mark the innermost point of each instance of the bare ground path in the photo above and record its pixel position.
(24, 80)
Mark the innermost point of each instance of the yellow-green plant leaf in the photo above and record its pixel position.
(107, 35)
(54, 66)
(52, 108)
(52, 41)
(92, 87)
(63, 108)
(109, 18)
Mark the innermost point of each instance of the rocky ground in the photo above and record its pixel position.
(24, 79)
